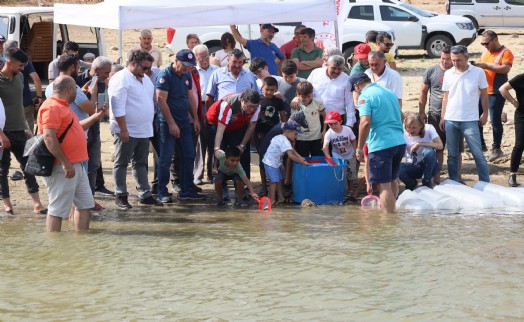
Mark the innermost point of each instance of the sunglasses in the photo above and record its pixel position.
(144, 68)
(486, 43)
(388, 44)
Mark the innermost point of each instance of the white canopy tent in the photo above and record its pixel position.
(140, 14)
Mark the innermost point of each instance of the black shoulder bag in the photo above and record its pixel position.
(39, 160)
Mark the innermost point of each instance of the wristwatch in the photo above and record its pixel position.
(359, 151)
(243, 146)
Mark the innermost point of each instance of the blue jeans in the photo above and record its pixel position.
(424, 165)
(496, 104)
(471, 133)
(167, 144)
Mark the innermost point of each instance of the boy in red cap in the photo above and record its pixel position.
(343, 142)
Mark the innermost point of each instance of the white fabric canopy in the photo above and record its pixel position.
(140, 14)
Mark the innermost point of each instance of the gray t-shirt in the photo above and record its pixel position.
(433, 77)
(289, 91)
(11, 93)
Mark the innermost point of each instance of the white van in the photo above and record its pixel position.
(489, 14)
(37, 35)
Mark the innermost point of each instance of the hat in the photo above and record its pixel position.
(358, 78)
(300, 118)
(2, 38)
(269, 26)
(332, 117)
(361, 51)
(89, 55)
(292, 126)
(186, 57)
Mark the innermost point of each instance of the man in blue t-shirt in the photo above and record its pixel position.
(175, 100)
(381, 128)
(262, 47)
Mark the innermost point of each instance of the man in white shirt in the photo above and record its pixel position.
(331, 85)
(383, 75)
(131, 122)
(463, 85)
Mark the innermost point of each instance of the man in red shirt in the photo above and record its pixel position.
(68, 184)
(232, 120)
(288, 47)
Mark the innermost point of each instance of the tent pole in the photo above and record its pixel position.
(120, 47)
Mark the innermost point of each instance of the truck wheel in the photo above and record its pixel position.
(436, 43)
(214, 49)
(348, 55)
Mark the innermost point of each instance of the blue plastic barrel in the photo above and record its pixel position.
(320, 182)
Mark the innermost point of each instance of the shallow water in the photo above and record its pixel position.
(318, 264)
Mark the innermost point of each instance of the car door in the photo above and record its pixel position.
(407, 26)
(489, 13)
(513, 12)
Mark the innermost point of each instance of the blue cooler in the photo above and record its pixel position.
(320, 182)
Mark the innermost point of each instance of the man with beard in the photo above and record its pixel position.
(82, 106)
(360, 53)
(13, 136)
(262, 47)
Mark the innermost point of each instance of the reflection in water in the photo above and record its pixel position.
(324, 264)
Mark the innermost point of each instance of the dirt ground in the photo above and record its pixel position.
(411, 64)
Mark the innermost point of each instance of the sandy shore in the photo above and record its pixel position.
(411, 64)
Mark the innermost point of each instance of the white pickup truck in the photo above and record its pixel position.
(42, 39)
(353, 34)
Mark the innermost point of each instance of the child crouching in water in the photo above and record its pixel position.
(230, 169)
(344, 143)
(280, 145)
(421, 158)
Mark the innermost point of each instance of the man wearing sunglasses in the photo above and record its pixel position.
(496, 62)
(131, 110)
(463, 86)
(384, 44)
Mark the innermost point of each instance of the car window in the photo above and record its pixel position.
(393, 14)
(515, 2)
(4, 24)
(361, 12)
(416, 10)
(487, 1)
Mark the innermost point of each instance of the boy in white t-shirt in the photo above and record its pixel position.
(343, 142)
(280, 145)
(421, 158)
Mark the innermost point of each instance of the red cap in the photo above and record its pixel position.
(361, 51)
(333, 117)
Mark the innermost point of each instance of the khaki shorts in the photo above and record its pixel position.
(64, 193)
(352, 168)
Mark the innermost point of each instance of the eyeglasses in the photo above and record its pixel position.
(258, 71)
(459, 49)
(144, 68)
(251, 106)
(202, 58)
(486, 43)
(388, 44)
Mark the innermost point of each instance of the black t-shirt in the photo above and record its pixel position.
(269, 113)
(517, 83)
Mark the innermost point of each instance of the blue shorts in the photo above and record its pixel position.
(384, 165)
(274, 175)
